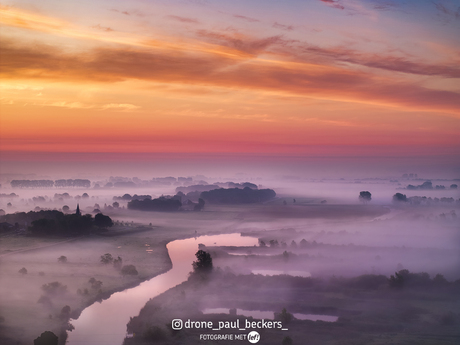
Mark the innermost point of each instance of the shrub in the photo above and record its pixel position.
(107, 258)
(54, 288)
(62, 259)
(129, 270)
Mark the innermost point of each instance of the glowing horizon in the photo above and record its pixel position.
(343, 77)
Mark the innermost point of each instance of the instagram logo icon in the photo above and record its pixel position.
(176, 324)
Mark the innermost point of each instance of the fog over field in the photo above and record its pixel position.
(316, 228)
(214, 172)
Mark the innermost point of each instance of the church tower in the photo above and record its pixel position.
(78, 213)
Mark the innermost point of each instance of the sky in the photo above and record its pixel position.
(311, 78)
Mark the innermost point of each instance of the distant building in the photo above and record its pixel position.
(78, 213)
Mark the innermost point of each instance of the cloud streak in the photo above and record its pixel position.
(305, 79)
(183, 19)
(334, 4)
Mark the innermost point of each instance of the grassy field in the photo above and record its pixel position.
(140, 239)
(378, 315)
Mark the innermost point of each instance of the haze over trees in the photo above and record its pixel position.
(238, 196)
(398, 197)
(427, 185)
(56, 223)
(80, 183)
(365, 196)
(160, 204)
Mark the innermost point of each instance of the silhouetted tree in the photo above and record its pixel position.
(398, 197)
(62, 259)
(160, 204)
(107, 258)
(129, 270)
(23, 270)
(203, 262)
(54, 288)
(117, 263)
(365, 196)
(102, 221)
(65, 313)
(47, 338)
(200, 205)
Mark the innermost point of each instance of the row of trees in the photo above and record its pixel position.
(159, 204)
(83, 183)
(60, 224)
(237, 195)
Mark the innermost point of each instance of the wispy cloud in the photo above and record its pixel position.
(334, 3)
(183, 19)
(306, 79)
(241, 42)
(79, 105)
(447, 12)
(129, 13)
(102, 28)
(283, 27)
(249, 19)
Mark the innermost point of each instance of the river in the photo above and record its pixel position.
(105, 323)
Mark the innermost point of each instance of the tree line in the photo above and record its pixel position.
(50, 183)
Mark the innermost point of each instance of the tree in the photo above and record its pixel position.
(46, 338)
(102, 221)
(23, 271)
(203, 262)
(129, 270)
(65, 313)
(199, 206)
(284, 317)
(117, 263)
(54, 288)
(65, 208)
(365, 196)
(62, 259)
(116, 204)
(398, 197)
(107, 258)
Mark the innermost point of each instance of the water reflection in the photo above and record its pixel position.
(105, 322)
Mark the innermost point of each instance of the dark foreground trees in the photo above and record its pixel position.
(129, 270)
(46, 338)
(102, 221)
(203, 262)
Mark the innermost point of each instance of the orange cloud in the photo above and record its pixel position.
(305, 79)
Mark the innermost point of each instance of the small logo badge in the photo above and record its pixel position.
(176, 324)
(253, 337)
